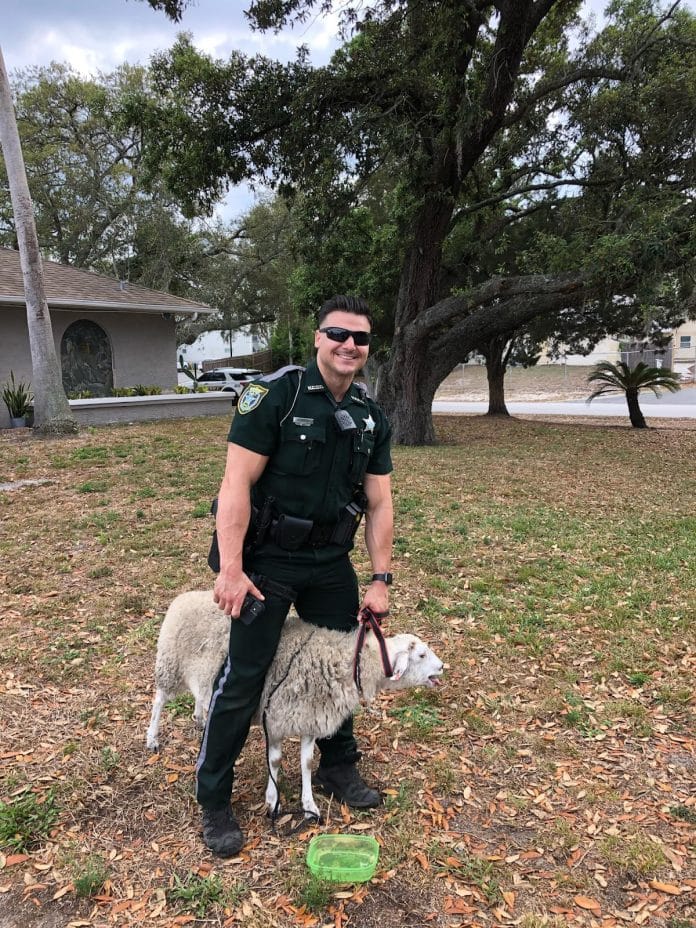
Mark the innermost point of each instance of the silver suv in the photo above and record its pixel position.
(229, 379)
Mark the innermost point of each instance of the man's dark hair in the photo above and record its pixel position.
(346, 304)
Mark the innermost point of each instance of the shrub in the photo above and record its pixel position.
(17, 397)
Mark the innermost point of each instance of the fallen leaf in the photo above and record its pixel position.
(668, 888)
(14, 859)
(585, 902)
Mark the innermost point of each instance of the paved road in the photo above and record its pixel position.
(680, 405)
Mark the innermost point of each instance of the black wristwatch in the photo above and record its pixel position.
(385, 578)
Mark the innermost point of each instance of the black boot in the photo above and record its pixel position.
(221, 832)
(345, 783)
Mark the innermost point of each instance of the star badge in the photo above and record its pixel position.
(369, 423)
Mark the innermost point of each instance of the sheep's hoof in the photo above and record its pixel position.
(313, 817)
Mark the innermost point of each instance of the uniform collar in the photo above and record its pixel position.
(314, 383)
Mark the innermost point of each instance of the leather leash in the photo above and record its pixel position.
(370, 620)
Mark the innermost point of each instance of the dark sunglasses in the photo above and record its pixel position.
(337, 334)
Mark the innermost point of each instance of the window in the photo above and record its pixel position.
(685, 341)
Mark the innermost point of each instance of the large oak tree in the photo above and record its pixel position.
(482, 113)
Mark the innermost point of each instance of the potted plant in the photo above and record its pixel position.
(18, 399)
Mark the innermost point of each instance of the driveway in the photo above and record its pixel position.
(681, 405)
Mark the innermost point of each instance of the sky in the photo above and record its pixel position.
(98, 35)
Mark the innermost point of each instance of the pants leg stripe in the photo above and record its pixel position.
(218, 690)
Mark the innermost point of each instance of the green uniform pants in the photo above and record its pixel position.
(327, 595)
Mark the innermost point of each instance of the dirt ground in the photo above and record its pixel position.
(544, 382)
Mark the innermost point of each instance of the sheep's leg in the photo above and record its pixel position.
(311, 809)
(161, 697)
(275, 753)
(202, 696)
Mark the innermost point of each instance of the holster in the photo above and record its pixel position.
(259, 525)
(290, 533)
(348, 522)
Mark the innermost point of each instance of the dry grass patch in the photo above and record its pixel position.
(549, 781)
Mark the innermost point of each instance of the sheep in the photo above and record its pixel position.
(309, 688)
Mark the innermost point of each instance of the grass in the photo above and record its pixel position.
(89, 876)
(26, 821)
(551, 565)
(201, 894)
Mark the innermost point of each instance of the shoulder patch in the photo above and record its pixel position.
(250, 398)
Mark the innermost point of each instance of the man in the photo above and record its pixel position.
(308, 451)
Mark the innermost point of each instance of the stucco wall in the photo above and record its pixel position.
(143, 347)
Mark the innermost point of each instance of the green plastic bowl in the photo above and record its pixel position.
(343, 858)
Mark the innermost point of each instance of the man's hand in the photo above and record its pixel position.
(230, 591)
(377, 597)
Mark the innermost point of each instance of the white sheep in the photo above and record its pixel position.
(309, 689)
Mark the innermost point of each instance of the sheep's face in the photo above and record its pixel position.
(413, 663)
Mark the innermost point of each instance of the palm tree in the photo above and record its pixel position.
(620, 378)
(52, 413)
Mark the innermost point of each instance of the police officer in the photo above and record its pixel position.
(308, 452)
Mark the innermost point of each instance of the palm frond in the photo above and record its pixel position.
(620, 378)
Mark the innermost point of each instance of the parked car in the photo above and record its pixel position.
(229, 379)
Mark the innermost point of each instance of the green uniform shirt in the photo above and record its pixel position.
(313, 468)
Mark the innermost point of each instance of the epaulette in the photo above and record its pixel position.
(281, 372)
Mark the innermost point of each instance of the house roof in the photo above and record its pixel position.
(71, 288)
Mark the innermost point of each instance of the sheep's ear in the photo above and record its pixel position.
(399, 665)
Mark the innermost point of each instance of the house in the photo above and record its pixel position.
(679, 354)
(108, 333)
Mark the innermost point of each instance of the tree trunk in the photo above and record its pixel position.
(634, 411)
(407, 387)
(496, 366)
(409, 403)
(52, 414)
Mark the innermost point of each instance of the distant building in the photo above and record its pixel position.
(108, 333)
(216, 344)
(679, 354)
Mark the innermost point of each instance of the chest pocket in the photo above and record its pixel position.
(363, 446)
(300, 450)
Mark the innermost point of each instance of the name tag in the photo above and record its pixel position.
(299, 420)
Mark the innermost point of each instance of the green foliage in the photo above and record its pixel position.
(293, 343)
(404, 194)
(142, 390)
(200, 895)
(468, 868)
(420, 714)
(17, 397)
(27, 820)
(89, 876)
(684, 813)
(620, 378)
(316, 893)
